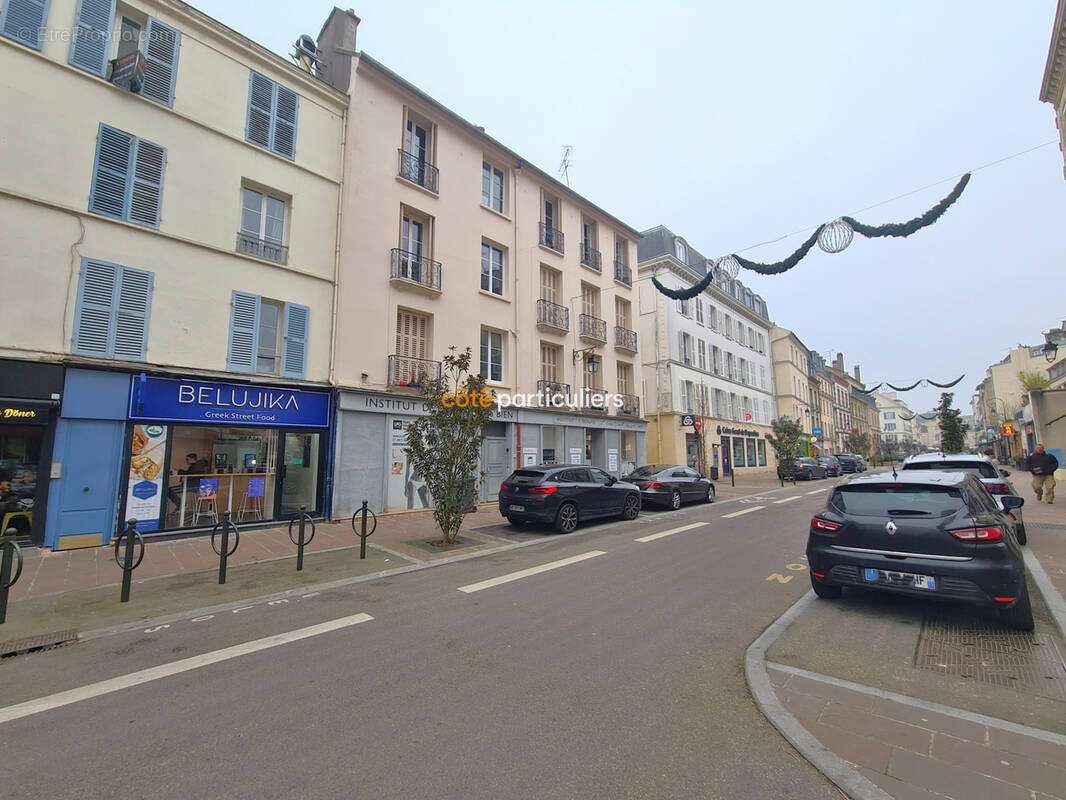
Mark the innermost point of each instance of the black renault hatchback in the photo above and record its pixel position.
(928, 533)
(565, 495)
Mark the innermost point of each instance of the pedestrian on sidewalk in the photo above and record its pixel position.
(1043, 466)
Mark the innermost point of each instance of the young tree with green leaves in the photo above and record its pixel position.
(1031, 379)
(952, 428)
(444, 447)
(785, 440)
(859, 443)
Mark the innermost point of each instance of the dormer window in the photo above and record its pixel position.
(681, 251)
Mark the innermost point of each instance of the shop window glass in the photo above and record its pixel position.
(551, 444)
(20, 453)
(629, 452)
(762, 452)
(738, 453)
(751, 453)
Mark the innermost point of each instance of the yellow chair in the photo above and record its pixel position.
(11, 516)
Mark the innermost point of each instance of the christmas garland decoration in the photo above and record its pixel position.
(912, 416)
(831, 237)
(922, 381)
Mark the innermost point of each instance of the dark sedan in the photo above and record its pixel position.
(925, 533)
(832, 466)
(565, 495)
(847, 463)
(671, 485)
(802, 469)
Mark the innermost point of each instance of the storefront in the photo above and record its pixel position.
(371, 462)
(742, 448)
(30, 397)
(196, 449)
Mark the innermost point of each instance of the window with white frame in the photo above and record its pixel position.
(699, 311)
(712, 317)
(681, 251)
(686, 348)
(263, 216)
(491, 269)
(684, 308)
(492, 355)
(701, 350)
(728, 327)
(716, 360)
(492, 187)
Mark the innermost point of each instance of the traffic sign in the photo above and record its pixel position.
(817, 432)
(697, 423)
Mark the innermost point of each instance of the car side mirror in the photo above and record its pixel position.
(612, 481)
(1010, 501)
(1004, 473)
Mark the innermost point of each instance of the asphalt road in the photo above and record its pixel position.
(618, 675)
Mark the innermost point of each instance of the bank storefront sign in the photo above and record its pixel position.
(174, 400)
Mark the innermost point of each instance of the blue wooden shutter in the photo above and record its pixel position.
(260, 109)
(111, 173)
(161, 47)
(294, 348)
(146, 196)
(131, 313)
(23, 21)
(243, 333)
(92, 32)
(92, 313)
(286, 104)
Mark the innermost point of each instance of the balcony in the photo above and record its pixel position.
(589, 327)
(630, 406)
(410, 373)
(410, 269)
(590, 257)
(552, 394)
(418, 171)
(552, 239)
(623, 274)
(260, 248)
(552, 315)
(593, 399)
(625, 339)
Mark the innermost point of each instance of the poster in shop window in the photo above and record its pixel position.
(145, 490)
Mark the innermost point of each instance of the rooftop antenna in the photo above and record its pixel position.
(564, 165)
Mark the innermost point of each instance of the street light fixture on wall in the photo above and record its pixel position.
(1051, 352)
(589, 357)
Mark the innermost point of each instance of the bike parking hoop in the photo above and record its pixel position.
(363, 512)
(16, 555)
(225, 526)
(138, 539)
(306, 518)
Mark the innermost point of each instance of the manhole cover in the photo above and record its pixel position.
(33, 644)
(971, 648)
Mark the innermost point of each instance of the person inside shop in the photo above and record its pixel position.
(194, 466)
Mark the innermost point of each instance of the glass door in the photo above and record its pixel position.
(299, 475)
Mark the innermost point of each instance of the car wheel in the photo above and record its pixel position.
(710, 494)
(1020, 533)
(1020, 615)
(631, 507)
(566, 518)
(675, 499)
(826, 591)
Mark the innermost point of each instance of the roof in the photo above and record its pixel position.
(915, 477)
(926, 457)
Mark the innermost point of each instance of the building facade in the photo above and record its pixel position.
(707, 357)
(173, 188)
(1053, 87)
(897, 423)
(450, 239)
(796, 388)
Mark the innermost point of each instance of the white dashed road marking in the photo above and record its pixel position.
(740, 513)
(175, 667)
(816, 491)
(670, 532)
(786, 500)
(525, 573)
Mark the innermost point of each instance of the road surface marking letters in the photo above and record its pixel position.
(670, 532)
(175, 667)
(816, 491)
(786, 500)
(745, 511)
(525, 573)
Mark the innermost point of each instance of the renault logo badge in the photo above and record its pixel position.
(891, 528)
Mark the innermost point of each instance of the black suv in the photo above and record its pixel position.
(565, 495)
(847, 463)
(929, 533)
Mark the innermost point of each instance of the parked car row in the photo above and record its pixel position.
(564, 495)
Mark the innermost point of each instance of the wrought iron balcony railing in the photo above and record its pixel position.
(410, 373)
(553, 315)
(553, 394)
(550, 237)
(418, 171)
(630, 406)
(625, 338)
(412, 268)
(623, 274)
(591, 257)
(261, 248)
(593, 399)
(592, 327)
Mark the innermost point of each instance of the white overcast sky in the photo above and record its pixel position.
(735, 123)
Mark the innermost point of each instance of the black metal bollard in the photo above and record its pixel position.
(301, 543)
(11, 549)
(225, 552)
(362, 533)
(127, 564)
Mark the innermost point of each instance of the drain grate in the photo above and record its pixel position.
(971, 648)
(34, 644)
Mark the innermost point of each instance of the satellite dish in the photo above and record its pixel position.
(306, 53)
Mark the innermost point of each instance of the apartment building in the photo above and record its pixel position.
(451, 239)
(897, 422)
(1053, 88)
(1001, 404)
(707, 357)
(169, 197)
(823, 423)
(796, 397)
(927, 431)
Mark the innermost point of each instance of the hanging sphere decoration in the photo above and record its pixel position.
(727, 265)
(835, 236)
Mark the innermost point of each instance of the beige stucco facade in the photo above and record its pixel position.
(794, 397)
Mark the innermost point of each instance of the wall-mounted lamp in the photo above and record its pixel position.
(1051, 351)
(588, 355)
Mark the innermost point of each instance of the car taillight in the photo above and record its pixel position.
(978, 534)
(1009, 514)
(505, 487)
(542, 489)
(998, 488)
(653, 485)
(819, 524)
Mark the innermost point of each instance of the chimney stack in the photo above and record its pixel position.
(857, 376)
(838, 362)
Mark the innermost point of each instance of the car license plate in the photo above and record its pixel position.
(516, 508)
(907, 579)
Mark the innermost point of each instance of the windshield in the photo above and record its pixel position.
(526, 476)
(882, 500)
(980, 468)
(645, 472)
